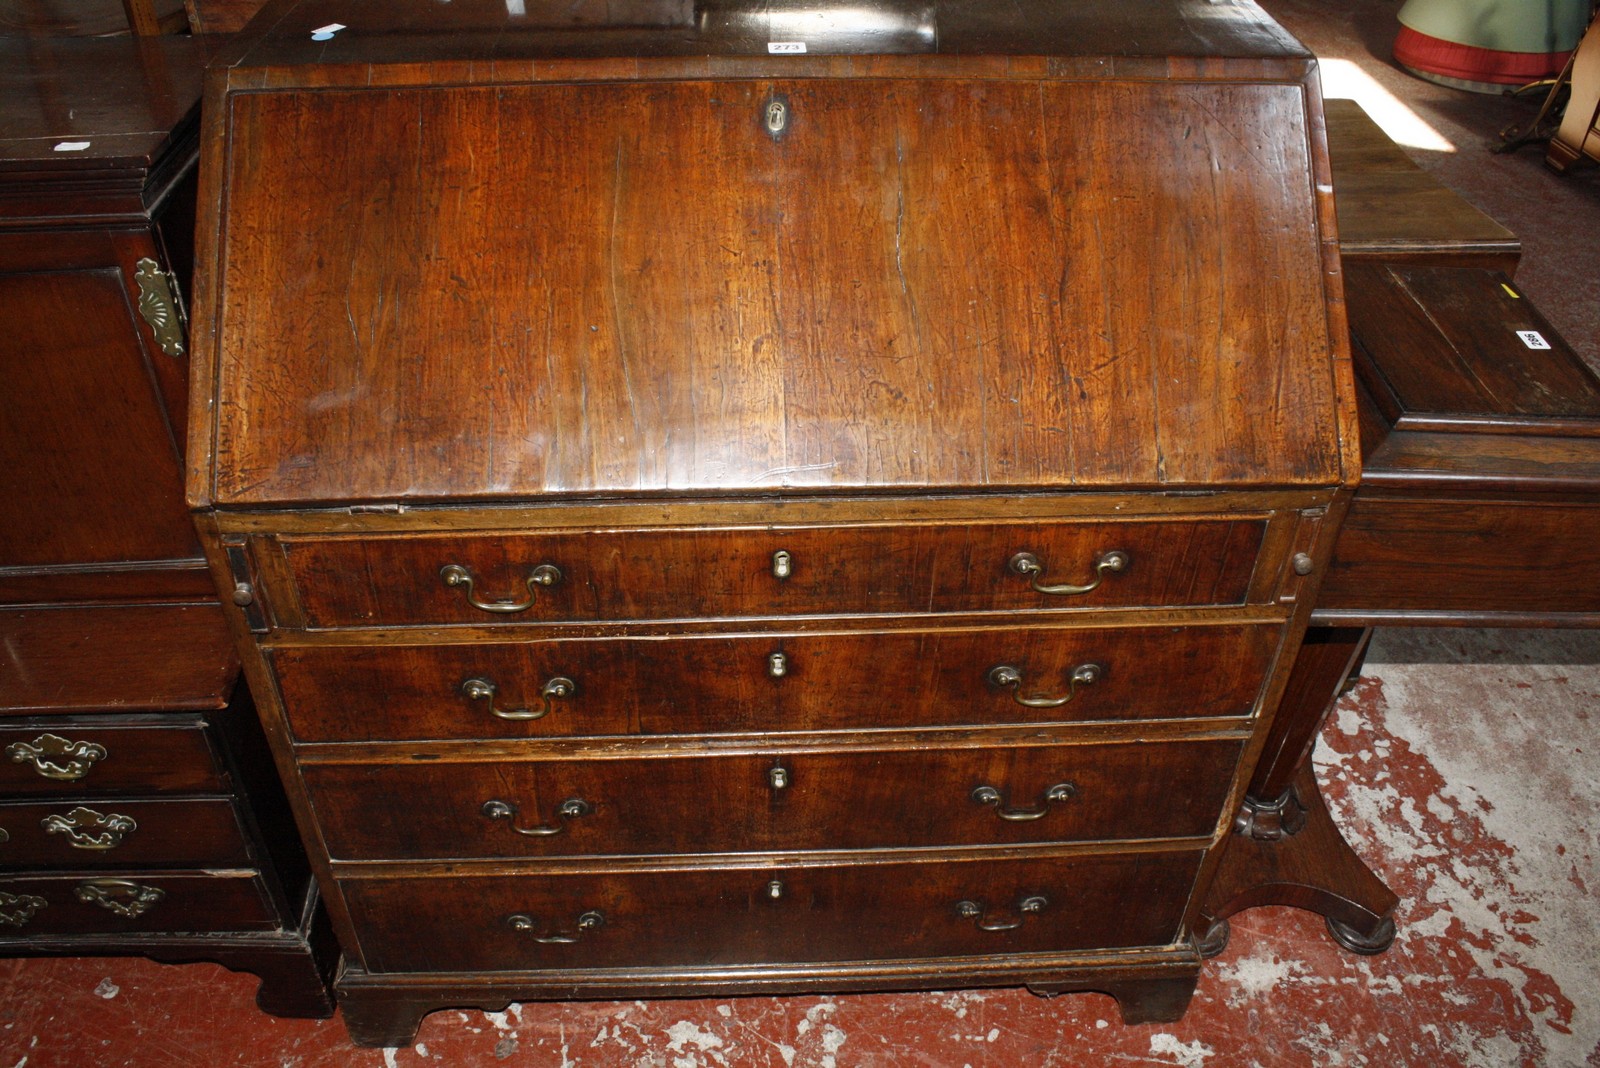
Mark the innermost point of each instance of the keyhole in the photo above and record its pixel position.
(777, 117)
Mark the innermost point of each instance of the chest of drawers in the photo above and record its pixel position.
(707, 518)
(139, 810)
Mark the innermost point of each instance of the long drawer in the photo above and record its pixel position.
(771, 683)
(133, 902)
(117, 832)
(720, 916)
(863, 798)
(711, 573)
(125, 754)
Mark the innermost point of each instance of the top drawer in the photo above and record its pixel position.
(681, 574)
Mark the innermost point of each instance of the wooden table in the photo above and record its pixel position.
(1479, 503)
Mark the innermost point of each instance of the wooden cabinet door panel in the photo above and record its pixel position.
(89, 465)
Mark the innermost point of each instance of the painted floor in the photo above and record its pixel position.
(1463, 767)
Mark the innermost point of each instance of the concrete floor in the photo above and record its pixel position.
(1459, 767)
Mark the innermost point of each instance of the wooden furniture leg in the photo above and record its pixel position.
(1285, 849)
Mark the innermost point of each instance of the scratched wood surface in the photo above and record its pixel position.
(966, 284)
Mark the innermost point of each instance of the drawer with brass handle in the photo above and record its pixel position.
(713, 916)
(57, 905)
(120, 832)
(862, 798)
(772, 683)
(645, 574)
(88, 755)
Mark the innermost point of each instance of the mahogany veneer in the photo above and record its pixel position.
(704, 519)
(139, 812)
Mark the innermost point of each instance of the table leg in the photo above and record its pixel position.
(1285, 848)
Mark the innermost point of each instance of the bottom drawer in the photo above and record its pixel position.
(723, 916)
(136, 902)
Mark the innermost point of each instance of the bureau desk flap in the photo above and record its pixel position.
(728, 285)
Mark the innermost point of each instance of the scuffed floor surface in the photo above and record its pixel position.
(1460, 767)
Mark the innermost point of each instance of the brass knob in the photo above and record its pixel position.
(1302, 563)
(243, 594)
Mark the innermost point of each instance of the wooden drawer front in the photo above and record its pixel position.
(713, 917)
(111, 832)
(134, 902)
(1465, 557)
(650, 686)
(861, 799)
(675, 574)
(91, 755)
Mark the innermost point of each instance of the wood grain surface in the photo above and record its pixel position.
(946, 284)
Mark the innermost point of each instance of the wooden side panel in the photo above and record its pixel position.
(911, 284)
(89, 466)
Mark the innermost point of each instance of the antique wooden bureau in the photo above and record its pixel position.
(717, 501)
(139, 812)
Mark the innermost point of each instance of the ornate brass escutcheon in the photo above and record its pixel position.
(588, 921)
(546, 575)
(1060, 793)
(159, 305)
(1028, 566)
(125, 898)
(46, 754)
(480, 689)
(87, 829)
(17, 909)
(1026, 906)
(570, 809)
(1003, 675)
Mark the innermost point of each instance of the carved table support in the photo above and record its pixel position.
(1285, 849)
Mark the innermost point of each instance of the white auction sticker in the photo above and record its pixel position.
(1533, 339)
(71, 146)
(786, 48)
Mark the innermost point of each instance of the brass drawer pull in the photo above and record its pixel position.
(546, 575)
(484, 690)
(570, 809)
(589, 921)
(45, 753)
(87, 829)
(1004, 675)
(126, 899)
(1060, 793)
(974, 910)
(1028, 566)
(17, 909)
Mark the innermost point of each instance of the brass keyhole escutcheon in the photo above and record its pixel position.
(775, 117)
